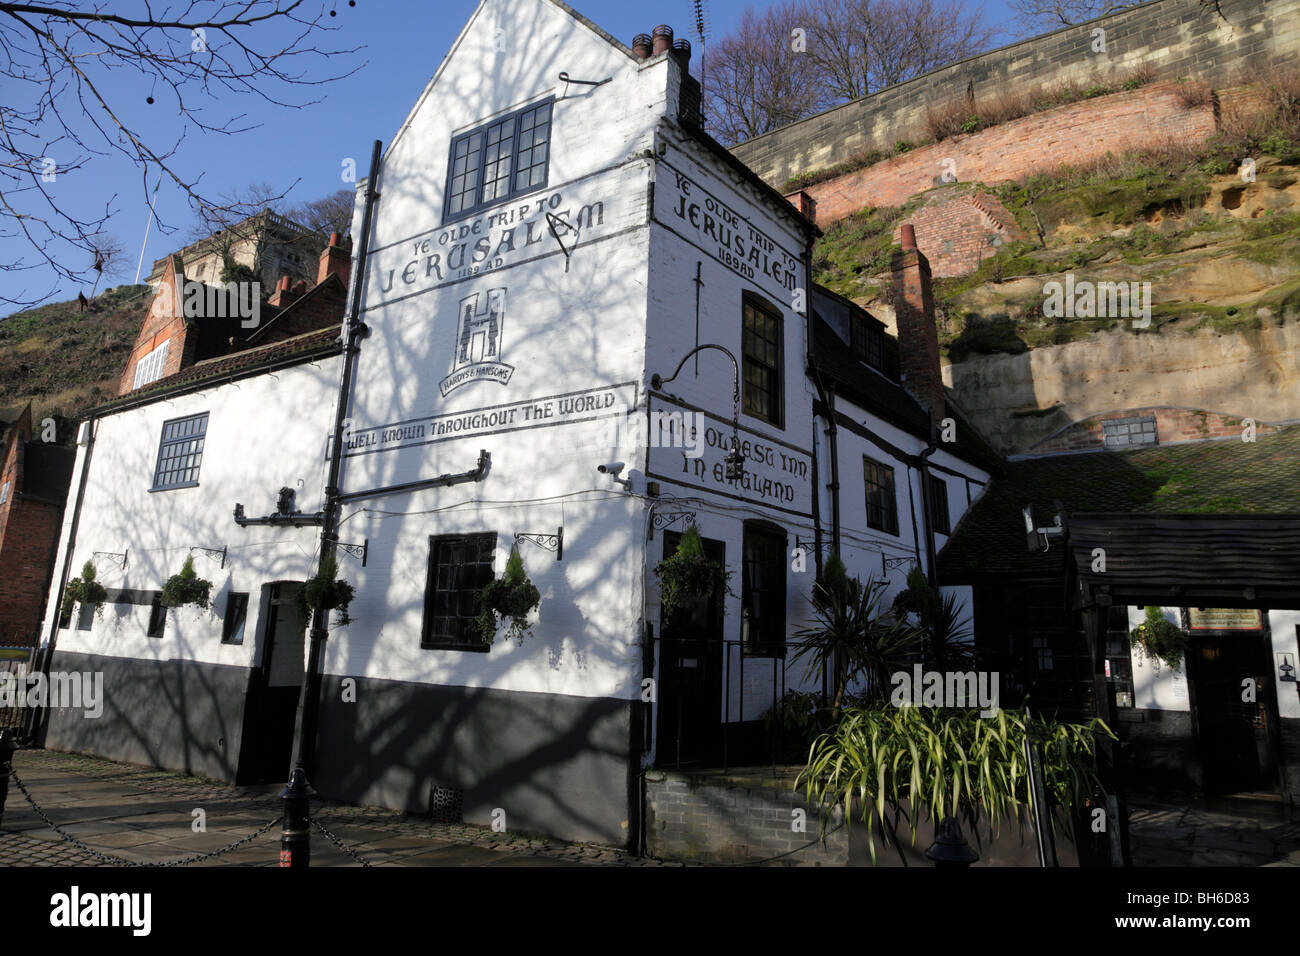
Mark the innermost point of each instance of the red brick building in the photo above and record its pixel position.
(33, 487)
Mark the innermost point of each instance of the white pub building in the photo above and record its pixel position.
(554, 237)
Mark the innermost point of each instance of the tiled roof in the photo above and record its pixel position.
(319, 341)
(1227, 476)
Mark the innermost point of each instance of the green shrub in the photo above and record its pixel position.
(511, 596)
(186, 587)
(1159, 638)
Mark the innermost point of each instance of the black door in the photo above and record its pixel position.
(274, 687)
(690, 675)
(1234, 743)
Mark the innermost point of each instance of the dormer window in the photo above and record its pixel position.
(500, 160)
(868, 342)
(150, 368)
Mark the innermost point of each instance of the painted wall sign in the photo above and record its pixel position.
(725, 234)
(479, 334)
(495, 240)
(565, 409)
(777, 475)
(1223, 619)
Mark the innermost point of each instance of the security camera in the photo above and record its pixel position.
(614, 468)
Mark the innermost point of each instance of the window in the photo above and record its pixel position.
(939, 506)
(868, 342)
(882, 511)
(150, 368)
(180, 452)
(85, 616)
(459, 567)
(762, 361)
(157, 616)
(505, 158)
(763, 593)
(4, 492)
(232, 627)
(1129, 432)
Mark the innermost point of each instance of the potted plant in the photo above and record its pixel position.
(511, 596)
(1160, 638)
(85, 590)
(186, 587)
(689, 574)
(325, 592)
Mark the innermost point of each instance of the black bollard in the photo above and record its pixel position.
(295, 840)
(7, 748)
(950, 847)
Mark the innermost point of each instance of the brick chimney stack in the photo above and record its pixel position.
(284, 293)
(918, 335)
(334, 259)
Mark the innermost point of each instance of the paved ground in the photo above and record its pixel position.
(146, 816)
(1167, 835)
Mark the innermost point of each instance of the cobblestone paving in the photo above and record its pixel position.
(144, 816)
(1188, 836)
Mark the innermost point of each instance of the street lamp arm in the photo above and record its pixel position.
(658, 383)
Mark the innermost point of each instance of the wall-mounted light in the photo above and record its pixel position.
(735, 460)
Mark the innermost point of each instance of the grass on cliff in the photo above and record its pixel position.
(64, 361)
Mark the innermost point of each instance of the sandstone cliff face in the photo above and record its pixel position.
(1019, 400)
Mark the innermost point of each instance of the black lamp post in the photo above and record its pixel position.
(735, 460)
(950, 847)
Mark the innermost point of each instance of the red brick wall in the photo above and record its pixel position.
(958, 228)
(1075, 133)
(1172, 425)
(31, 534)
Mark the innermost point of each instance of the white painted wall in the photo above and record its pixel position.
(1283, 625)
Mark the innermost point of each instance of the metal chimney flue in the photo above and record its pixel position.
(642, 46)
(663, 38)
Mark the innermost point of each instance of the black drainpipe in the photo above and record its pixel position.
(931, 558)
(354, 330)
(37, 716)
(810, 361)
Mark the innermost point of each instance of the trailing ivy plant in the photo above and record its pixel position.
(326, 592)
(1159, 638)
(85, 590)
(900, 762)
(512, 596)
(186, 587)
(688, 574)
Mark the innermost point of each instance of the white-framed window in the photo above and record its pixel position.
(150, 368)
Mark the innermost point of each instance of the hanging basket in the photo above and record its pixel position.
(513, 597)
(85, 590)
(688, 575)
(1160, 639)
(325, 592)
(186, 587)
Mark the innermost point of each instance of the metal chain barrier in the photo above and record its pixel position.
(122, 861)
(336, 841)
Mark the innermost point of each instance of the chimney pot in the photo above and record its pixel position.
(642, 46)
(334, 238)
(908, 236)
(663, 38)
(682, 51)
(284, 283)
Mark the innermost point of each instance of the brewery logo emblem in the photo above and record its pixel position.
(478, 342)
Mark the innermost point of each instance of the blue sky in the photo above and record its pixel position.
(404, 41)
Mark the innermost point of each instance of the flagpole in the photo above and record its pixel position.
(140, 265)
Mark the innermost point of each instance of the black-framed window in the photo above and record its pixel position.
(500, 160)
(762, 600)
(882, 506)
(459, 568)
(232, 625)
(157, 616)
(761, 352)
(85, 616)
(868, 342)
(180, 452)
(1129, 432)
(939, 506)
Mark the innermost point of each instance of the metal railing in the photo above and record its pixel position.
(760, 692)
(15, 665)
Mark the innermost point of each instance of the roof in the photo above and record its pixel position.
(888, 400)
(291, 351)
(47, 470)
(1226, 476)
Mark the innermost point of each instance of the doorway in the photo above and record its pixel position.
(274, 686)
(689, 726)
(1235, 735)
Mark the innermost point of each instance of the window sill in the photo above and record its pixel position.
(470, 648)
(772, 652)
(494, 204)
(188, 484)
